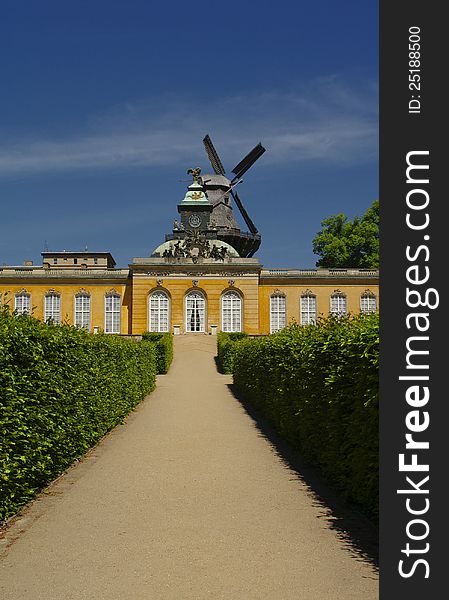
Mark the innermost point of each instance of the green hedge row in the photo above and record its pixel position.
(226, 343)
(61, 390)
(319, 386)
(164, 349)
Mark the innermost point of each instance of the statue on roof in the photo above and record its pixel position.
(195, 174)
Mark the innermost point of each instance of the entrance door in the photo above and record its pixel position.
(195, 312)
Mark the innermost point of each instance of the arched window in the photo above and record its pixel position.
(338, 304)
(112, 310)
(278, 312)
(368, 302)
(308, 309)
(82, 310)
(22, 303)
(159, 310)
(52, 308)
(231, 312)
(195, 312)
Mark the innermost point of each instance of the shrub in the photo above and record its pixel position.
(318, 385)
(226, 343)
(164, 349)
(61, 390)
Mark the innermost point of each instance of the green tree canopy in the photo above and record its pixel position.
(342, 243)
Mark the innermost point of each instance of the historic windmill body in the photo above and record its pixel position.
(220, 190)
(207, 209)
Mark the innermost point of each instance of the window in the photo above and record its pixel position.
(82, 310)
(159, 308)
(368, 303)
(195, 312)
(52, 308)
(308, 309)
(22, 303)
(112, 313)
(55, 261)
(75, 261)
(231, 312)
(277, 312)
(338, 304)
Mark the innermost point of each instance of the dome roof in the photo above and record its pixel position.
(210, 179)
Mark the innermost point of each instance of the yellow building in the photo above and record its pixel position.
(202, 279)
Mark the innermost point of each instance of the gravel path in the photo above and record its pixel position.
(186, 500)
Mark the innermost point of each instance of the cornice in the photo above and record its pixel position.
(317, 274)
(42, 274)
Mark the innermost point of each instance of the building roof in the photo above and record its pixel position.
(74, 253)
(79, 254)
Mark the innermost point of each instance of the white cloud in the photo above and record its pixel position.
(326, 121)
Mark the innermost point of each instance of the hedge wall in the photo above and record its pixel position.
(226, 343)
(61, 390)
(164, 349)
(319, 386)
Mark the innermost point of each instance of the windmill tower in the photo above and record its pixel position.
(220, 190)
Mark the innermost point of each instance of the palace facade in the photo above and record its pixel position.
(202, 279)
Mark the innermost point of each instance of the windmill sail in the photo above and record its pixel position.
(248, 161)
(244, 214)
(213, 156)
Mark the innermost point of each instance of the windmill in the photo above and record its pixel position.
(219, 187)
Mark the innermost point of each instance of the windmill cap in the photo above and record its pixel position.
(215, 180)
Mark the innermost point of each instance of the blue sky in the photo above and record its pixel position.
(104, 105)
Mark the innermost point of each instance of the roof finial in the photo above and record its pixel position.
(195, 174)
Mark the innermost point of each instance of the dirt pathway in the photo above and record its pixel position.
(187, 500)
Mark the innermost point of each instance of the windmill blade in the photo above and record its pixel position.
(213, 156)
(248, 161)
(246, 218)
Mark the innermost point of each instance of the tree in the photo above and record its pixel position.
(342, 243)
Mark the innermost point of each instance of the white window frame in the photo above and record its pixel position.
(200, 296)
(22, 303)
(82, 310)
(338, 304)
(231, 312)
(278, 312)
(112, 312)
(159, 311)
(52, 308)
(308, 309)
(368, 303)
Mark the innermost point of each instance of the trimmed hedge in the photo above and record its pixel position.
(61, 390)
(226, 343)
(318, 385)
(164, 349)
